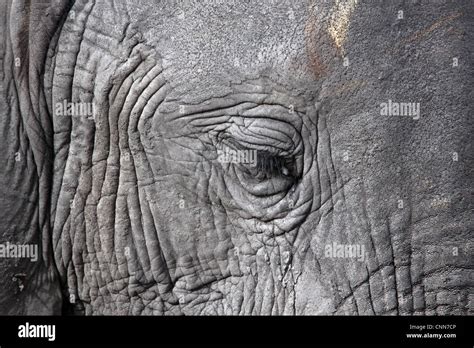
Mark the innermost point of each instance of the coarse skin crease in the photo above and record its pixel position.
(137, 212)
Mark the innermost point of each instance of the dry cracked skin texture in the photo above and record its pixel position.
(135, 214)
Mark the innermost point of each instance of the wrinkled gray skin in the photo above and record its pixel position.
(133, 213)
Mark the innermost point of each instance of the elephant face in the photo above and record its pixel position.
(270, 158)
(186, 214)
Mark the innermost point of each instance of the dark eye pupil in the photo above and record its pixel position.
(269, 166)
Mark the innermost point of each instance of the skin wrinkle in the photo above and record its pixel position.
(69, 140)
(140, 97)
(31, 142)
(342, 191)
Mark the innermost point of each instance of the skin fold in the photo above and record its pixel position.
(135, 214)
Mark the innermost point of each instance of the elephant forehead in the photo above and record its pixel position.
(213, 44)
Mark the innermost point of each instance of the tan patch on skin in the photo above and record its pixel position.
(339, 21)
(316, 66)
(457, 32)
(421, 34)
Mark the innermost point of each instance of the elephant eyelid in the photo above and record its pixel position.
(286, 150)
(278, 138)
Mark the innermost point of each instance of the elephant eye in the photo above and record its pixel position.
(268, 175)
(261, 166)
(269, 166)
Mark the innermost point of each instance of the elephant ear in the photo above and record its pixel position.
(29, 281)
